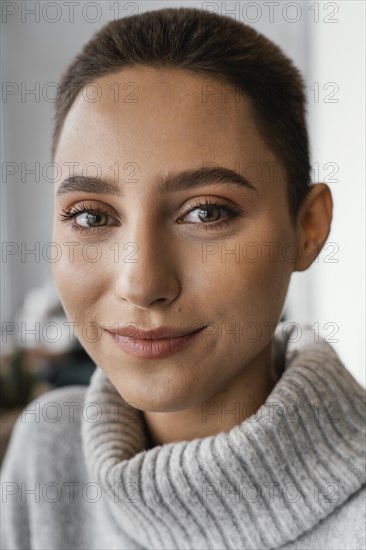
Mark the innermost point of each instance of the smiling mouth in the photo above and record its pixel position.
(153, 347)
(160, 333)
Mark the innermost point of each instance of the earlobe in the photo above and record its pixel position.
(313, 224)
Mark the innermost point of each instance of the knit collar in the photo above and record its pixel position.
(260, 485)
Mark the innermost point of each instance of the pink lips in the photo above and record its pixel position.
(153, 344)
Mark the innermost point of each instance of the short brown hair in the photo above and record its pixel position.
(210, 45)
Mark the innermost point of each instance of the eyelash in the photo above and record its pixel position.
(233, 212)
(68, 215)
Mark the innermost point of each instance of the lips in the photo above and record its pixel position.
(154, 344)
(135, 333)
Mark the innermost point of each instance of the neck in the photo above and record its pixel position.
(230, 406)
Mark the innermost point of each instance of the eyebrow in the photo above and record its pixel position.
(187, 179)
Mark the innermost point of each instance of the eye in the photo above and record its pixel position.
(208, 214)
(91, 219)
(87, 218)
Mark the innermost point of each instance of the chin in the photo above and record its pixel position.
(152, 399)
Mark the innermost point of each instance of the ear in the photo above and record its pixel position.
(313, 224)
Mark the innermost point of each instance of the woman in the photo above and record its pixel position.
(183, 209)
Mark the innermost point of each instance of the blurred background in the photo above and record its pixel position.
(326, 40)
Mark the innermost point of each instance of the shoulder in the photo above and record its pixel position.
(344, 529)
(48, 426)
(44, 464)
(348, 523)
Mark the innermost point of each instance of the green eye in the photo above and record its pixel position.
(89, 219)
(208, 213)
(86, 217)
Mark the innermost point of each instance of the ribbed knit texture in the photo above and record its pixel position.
(260, 485)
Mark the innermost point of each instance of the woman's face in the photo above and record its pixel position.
(158, 257)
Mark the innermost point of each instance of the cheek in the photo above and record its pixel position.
(80, 278)
(251, 284)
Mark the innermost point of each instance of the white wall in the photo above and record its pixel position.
(39, 50)
(332, 293)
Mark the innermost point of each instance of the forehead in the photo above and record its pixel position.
(163, 120)
(165, 101)
(169, 89)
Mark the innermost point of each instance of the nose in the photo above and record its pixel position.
(145, 274)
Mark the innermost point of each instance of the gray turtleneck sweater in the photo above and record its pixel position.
(79, 473)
